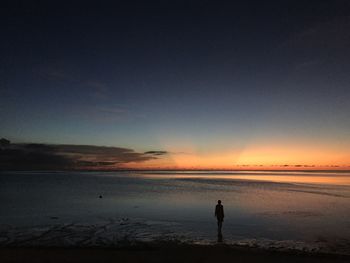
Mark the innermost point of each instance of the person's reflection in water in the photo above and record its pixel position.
(219, 213)
(219, 237)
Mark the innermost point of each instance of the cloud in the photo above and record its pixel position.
(321, 42)
(156, 152)
(33, 156)
(95, 89)
(104, 109)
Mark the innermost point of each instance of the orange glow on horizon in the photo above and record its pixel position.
(257, 158)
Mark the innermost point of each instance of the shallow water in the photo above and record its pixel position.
(307, 207)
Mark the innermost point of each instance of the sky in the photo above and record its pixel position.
(175, 84)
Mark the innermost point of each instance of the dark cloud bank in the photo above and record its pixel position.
(34, 156)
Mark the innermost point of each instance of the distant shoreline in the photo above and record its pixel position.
(181, 170)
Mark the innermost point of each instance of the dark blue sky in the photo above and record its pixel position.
(202, 76)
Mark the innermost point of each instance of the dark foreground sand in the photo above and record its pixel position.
(210, 254)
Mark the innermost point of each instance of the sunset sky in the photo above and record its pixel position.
(175, 84)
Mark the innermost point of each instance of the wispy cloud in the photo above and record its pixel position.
(101, 114)
(319, 43)
(94, 88)
(156, 152)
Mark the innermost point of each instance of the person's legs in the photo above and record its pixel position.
(219, 225)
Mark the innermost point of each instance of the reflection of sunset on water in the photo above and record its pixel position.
(269, 176)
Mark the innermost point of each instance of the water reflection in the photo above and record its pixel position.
(220, 238)
(332, 178)
(256, 205)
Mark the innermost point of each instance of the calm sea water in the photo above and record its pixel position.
(300, 206)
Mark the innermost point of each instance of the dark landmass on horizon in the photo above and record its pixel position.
(41, 156)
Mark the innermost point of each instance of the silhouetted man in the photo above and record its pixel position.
(219, 213)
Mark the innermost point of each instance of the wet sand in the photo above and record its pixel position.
(173, 253)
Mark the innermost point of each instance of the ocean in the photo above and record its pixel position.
(287, 209)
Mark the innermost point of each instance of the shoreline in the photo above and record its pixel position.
(115, 234)
(169, 252)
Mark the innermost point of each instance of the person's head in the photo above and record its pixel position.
(219, 202)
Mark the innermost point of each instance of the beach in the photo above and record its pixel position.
(162, 254)
(72, 212)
